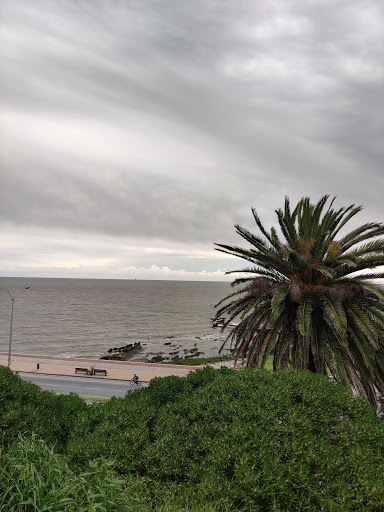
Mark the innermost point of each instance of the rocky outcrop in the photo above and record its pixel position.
(157, 359)
(124, 353)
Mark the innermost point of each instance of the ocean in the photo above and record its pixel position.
(87, 317)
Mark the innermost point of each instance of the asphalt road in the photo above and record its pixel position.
(83, 386)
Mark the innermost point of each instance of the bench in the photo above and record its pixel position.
(100, 372)
(81, 370)
(91, 371)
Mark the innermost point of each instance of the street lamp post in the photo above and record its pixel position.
(12, 307)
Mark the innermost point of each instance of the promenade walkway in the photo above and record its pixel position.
(119, 370)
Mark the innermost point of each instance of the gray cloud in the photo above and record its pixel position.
(129, 204)
(165, 122)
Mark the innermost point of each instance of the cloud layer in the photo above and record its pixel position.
(135, 134)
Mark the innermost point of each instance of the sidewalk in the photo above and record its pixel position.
(118, 370)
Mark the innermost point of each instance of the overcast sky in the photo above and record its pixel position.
(135, 134)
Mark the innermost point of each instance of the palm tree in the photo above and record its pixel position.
(309, 300)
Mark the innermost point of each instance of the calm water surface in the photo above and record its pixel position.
(86, 317)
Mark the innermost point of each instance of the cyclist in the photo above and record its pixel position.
(135, 378)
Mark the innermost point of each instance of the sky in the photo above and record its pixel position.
(136, 134)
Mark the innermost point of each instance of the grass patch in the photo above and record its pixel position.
(196, 361)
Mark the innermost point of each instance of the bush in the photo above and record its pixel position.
(235, 441)
(26, 409)
(34, 478)
(256, 440)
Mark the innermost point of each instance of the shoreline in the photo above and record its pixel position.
(116, 370)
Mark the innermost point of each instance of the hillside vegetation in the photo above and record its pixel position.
(217, 440)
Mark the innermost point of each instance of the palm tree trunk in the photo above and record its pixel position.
(311, 361)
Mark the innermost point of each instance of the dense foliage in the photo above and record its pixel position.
(25, 408)
(34, 477)
(233, 441)
(309, 298)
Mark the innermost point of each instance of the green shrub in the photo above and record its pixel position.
(256, 440)
(26, 409)
(162, 391)
(235, 441)
(34, 478)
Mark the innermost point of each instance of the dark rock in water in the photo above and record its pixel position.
(193, 356)
(178, 358)
(218, 322)
(129, 348)
(157, 359)
(123, 353)
(167, 343)
(115, 357)
(193, 350)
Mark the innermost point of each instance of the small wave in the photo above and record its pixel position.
(68, 354)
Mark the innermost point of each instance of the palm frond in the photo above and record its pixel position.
(375, 247)
(273, 240)
(271, 340)
(335, 315)
(304, 312)
(277, 303)
(318, 347)
(326, 271)
(308, 298)
(361, 234)
(348, 214)
(362, 323)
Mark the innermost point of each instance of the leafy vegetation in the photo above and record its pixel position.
(199, 361)
(25, 408)
(309, 298)
(219, 439)
(196, 361)
(33, 477)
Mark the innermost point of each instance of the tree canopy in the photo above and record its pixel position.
(309, 297)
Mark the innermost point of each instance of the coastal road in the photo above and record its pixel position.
(84, 386)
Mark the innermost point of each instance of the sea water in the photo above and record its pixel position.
(87, 317)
